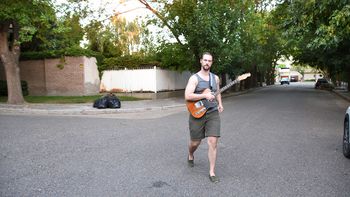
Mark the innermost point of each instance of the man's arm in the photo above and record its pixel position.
(218, 96)
(189, 91)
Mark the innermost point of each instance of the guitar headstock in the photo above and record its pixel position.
(244, 76)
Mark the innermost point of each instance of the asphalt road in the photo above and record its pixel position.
(276, 141)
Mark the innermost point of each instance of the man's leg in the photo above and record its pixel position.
(193, 147)
(212, 144)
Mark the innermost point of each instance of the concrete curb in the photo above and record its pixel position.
(342, 95)
(91, 111)
(86, 109)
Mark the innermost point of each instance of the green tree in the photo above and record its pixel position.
(236, 32)
(318, 33)
(17, 24)
(61, 33)
(272, 46)
(202, 26)
(114, 39)
(126, 34)
(101, 39)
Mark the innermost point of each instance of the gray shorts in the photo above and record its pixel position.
(208, 125)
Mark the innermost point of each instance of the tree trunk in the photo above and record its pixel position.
(347, 77)
(223, 79)
(254, 78)
(14, 90)
(9, 56)
(270, 74)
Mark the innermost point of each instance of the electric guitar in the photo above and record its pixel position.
(200, 107)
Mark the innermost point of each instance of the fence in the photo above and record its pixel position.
(143, 80)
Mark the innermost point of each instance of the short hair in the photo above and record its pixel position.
(207, 53)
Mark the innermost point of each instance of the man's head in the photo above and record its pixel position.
(206, 61)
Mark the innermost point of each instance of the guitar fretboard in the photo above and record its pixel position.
(226, 87)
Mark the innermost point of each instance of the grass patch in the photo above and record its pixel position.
(67, 99)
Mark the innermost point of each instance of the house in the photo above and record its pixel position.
(312, 74)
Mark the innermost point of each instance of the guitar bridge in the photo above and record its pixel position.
(200, 111)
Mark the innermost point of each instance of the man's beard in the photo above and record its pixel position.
(206, 67)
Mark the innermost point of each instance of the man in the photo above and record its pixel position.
(209, 124)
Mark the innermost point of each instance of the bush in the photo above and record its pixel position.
(72, 51)
(175, 57)
(129, 61)
(3, 88)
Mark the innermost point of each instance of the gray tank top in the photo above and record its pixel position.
(202, 85)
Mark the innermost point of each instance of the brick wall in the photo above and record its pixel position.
(66, 80)
(34, 73)
(60, 77)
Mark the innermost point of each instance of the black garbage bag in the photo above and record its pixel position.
(101, 103)
(113, 101)
(107, 101)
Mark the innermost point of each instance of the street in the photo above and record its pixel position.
(282, 140)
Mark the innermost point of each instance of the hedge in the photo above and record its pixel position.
(73, 51)
(127, 62)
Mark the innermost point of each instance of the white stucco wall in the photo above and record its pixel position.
(171, 80)
(91, 76)
(144, 80)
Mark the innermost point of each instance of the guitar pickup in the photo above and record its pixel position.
(198, 104)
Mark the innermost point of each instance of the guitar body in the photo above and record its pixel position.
(198, 108)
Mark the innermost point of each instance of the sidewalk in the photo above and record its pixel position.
(87, 108)
(343, 93)
(126, 106)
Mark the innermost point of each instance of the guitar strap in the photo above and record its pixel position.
(210, 81)
(210, 104)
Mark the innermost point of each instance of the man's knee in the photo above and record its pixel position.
(195, 143)
(212, 142)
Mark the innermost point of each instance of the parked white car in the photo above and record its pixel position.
(346, 143)
(284, 81)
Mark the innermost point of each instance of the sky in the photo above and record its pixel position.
(130, 9)
(137, 9)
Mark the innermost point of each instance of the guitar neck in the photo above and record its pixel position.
(226, 87)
